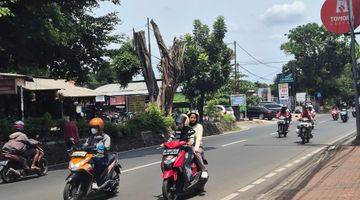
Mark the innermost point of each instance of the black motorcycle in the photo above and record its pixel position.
(344, 115)
(282, 124)
(14, 167)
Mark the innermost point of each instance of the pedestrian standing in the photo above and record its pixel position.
(71, 134)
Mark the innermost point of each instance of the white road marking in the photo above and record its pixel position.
(259, 181)
(270, 175)
(231, 196)
(273, 133)
(280, 169)
(224, 145)
(244, 189)
(142, 166)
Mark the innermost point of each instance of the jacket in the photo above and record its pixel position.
(196, 139)
(19, 142)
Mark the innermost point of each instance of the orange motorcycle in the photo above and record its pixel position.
(79, 183)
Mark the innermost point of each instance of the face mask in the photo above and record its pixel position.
(94, 130)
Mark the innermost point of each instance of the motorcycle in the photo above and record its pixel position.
(282, 129)
(304, 130)
(79, 183)
(335, 114)
(174, 173)
(344, 115)
(14, 167)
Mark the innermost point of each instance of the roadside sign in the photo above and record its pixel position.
(283, 91)
(286, 78)
(301, 97)
(335, 15)
(238, 100)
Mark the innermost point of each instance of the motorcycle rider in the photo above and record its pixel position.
(285, 113)
(196, 139)
(307, 114)
(20, 144)
(183, 132)
(102, 142)
(312, 110)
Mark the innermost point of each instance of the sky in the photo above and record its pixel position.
(258, 26)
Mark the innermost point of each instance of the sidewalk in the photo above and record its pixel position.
(338, 179)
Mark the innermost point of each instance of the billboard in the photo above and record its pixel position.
(238, 100)
(283, 91)
(264, 94)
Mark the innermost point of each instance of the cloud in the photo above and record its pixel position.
(280, 14)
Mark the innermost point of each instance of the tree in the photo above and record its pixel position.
(56, 38)
(207, 62)
(171, 67)
(126, 63)
(320, 57)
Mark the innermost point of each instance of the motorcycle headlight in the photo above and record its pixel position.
(73, 167)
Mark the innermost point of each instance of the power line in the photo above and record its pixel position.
(253, 57)
(249, 72)
(256, 63)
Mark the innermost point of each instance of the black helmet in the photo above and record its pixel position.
(182, 119)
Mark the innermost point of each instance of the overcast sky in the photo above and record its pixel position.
(257, 25)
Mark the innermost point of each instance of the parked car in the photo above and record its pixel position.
(260, 112)
(266, 102)
(229, 110)
(273, 107)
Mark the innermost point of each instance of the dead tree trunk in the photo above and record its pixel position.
(148, 72)
(172, 67)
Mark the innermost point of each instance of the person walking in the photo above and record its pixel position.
(71, 134)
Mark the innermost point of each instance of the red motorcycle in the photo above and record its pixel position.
(175, 181)
(335, 114)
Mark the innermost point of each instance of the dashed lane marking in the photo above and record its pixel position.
(231, 196)
(240, 141)
(244, 189)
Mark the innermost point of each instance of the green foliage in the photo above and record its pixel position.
(345, 84)
(207, 61)
(320, 57)
(83, 128)
(5, 128)
(151, 120)
(228, 119)
(252, 100)
(126, 63)
(58, 38)
(210, 109)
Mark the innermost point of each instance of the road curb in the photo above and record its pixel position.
(297, 178)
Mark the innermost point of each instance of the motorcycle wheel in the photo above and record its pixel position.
(70, 191)
(115, 189)
(167, 191)
(43, 167)
(5, 177)
(279, 131)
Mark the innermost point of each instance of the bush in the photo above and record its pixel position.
(83, 128)
(151, 120)
(39, 127)
(228, 119)
(211, 111)
(5, 128)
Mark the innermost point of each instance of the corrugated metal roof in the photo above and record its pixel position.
(28, 78)
(134, 88)
(65, 88)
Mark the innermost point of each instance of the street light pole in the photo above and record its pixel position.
(354, 68)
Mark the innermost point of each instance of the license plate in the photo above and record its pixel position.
(171, 152)
(79, 154)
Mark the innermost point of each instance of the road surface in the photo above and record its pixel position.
(241, 165)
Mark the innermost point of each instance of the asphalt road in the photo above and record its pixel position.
(241, 165)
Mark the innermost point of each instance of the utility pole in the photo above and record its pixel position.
(354, 69)
(148, 26)
(236, 89)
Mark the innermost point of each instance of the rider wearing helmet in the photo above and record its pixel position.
(20, 144)
(196, 139)
(284, 113)
(102, 142)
